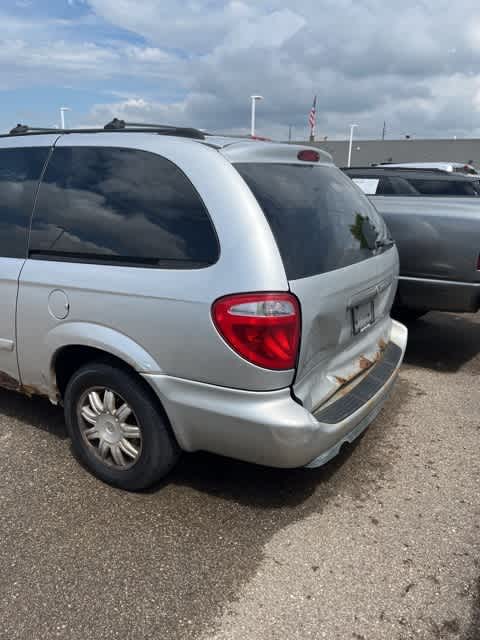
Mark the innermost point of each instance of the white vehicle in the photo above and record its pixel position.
(449, 167)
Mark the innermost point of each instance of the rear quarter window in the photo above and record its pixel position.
(120, 206)
(320, 220)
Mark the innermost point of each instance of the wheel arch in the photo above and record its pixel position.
(73, 344)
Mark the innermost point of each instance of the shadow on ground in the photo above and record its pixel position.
(35, 412)
(161, 560)
(443, 341)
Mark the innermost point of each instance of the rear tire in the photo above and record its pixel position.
(117, 427)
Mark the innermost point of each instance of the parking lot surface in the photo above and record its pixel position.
(382, 543)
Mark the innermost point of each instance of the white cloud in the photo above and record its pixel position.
(199, 61)
(134, 109)
(365, 59)
(271, 30)
(55, 47)
(193, 25)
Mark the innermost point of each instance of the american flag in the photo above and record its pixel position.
(312, 116)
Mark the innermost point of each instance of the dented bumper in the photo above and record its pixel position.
(272, 428)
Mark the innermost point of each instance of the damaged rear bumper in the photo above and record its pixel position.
(272, 428)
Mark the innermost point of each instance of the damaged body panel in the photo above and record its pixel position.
(12, 384)
(332, 354)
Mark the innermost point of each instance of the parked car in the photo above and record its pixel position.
(434, 218)
(176, 291)
(449, 167)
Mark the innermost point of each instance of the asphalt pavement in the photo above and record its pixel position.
(382, 543)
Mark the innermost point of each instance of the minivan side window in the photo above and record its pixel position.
(120, 206)
(20, 171)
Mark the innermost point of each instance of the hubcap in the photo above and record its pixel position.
(110, 428)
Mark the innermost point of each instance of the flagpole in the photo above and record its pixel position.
(313, 119)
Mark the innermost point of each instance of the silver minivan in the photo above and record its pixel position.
(178, 291)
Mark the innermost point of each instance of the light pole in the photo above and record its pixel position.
(352, 127)
(62, 116)
(254, 100)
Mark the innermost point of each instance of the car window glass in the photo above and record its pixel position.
(443, 187)
(120, 206)
(476, 186)
(20, 171)
(385, 187)
(367, 185)
(401, 187)
(320, 220)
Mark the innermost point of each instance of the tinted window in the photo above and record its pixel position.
(445, 187)
(385, 187)
(402, 187)
(20, 171)
(120, 206)
(320, 220)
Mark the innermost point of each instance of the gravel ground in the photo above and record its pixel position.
(383, 543)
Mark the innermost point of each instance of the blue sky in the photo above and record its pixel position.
(198, 61)
(69, 56)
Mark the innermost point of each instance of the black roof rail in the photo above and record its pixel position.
(398, 169)
(121, 125)
(21, 129)
(113, 125)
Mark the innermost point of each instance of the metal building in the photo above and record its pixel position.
(366, 152)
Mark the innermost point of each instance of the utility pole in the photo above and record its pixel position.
(290, 133)
(352, 127)
(384, 129)
(252, 118)
(62, 116)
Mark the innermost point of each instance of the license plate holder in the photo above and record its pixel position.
(363, 316)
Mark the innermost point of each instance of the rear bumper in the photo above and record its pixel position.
(438, 295)
(271, 428)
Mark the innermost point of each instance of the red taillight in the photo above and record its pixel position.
(308, 155)
(263, 328)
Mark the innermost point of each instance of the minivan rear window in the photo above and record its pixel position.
(320, 220)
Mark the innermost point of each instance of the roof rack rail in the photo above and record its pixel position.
(121, 125)
(113, 125)
(375, 167)
(21, 129)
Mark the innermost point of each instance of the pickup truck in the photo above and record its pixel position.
(434, 218)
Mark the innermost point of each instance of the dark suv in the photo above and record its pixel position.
(434, 217)
(392, 181)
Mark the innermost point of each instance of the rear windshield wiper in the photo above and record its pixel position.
(385, 242)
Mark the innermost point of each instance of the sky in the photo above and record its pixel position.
(413, 64)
